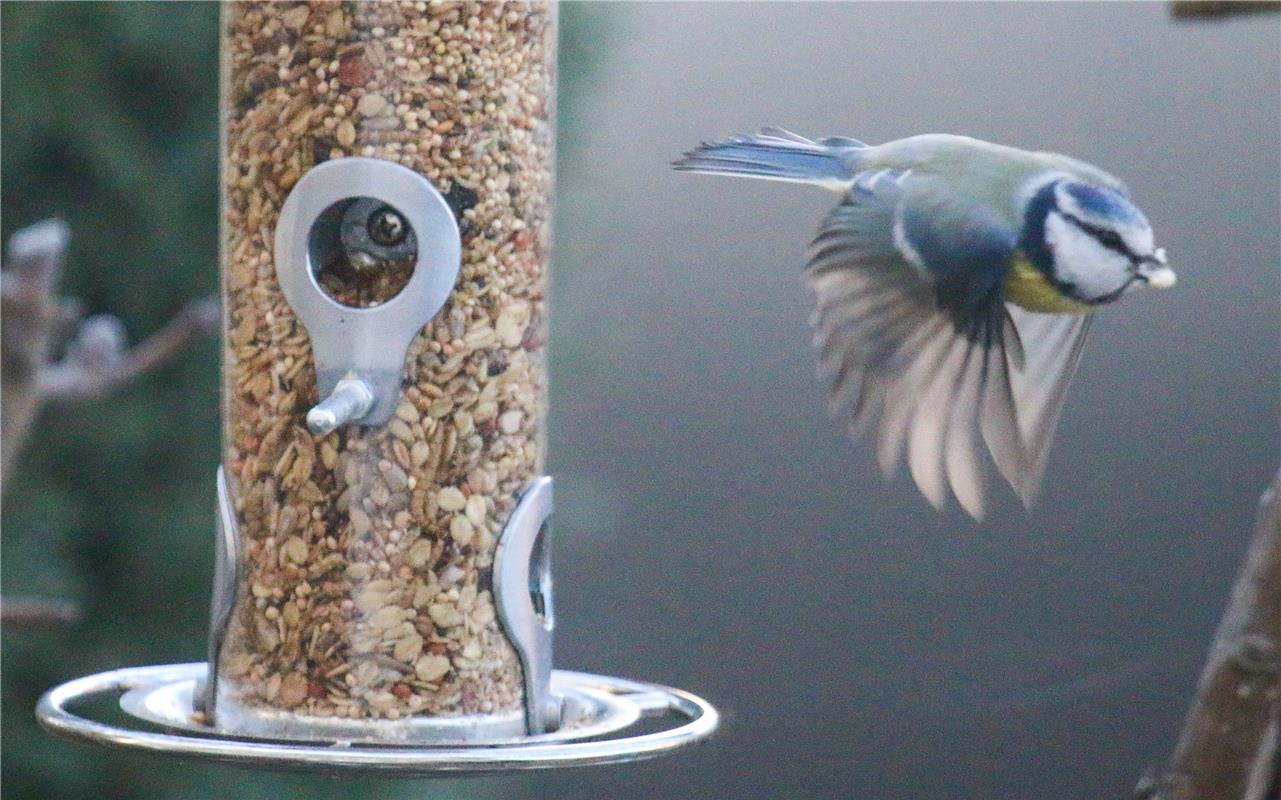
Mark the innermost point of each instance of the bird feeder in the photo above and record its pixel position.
(383, 579)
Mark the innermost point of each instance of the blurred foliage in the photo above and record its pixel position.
(109, 112)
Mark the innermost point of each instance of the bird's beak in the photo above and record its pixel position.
(1154, 271)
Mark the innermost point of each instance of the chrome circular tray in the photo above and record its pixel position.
(599, 712)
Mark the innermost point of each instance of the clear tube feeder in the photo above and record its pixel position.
(382, 593)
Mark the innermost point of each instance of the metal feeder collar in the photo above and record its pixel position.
(569, 719)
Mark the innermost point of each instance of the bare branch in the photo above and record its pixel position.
(34, 320)
(27, 327)
(1229, 745)
(97, 361)
(31, 613)
(35, 257)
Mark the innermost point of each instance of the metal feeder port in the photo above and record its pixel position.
(382, 593)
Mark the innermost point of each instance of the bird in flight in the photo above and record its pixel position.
(953, 287)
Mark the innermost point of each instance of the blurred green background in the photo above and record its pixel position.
(110, 121)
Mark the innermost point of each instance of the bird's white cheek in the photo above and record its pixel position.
(1080, 260)
(1139, 239)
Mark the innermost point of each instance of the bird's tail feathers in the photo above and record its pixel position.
(776, 154)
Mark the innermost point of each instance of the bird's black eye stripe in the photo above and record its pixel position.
(1109, 239)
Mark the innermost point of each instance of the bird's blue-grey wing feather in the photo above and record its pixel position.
(918, 343)
(1052, 346)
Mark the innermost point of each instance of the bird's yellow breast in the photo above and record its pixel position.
(1027, 286)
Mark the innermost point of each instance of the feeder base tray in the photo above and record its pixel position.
(606, 720)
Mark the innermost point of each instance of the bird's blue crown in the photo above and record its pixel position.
(1085, 204)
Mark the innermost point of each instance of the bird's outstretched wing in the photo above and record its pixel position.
(920, 346)
(1052, 345)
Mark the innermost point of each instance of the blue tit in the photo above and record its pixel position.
(953, 287)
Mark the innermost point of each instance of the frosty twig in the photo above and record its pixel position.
(97, 359)
(34, 322)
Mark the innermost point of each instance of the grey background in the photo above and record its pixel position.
(716, 531)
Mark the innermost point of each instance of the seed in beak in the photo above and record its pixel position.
(1153, 270)
(1161, 278)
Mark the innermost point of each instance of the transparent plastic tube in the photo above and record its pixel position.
(363, 603)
